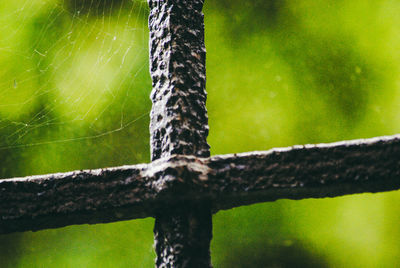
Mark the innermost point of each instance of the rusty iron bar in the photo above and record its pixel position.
(183, 186)
(179, 124)
(226, 181)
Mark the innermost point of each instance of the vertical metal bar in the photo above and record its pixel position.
(179, 123)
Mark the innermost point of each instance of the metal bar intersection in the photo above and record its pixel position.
(183, 186)
(225, 181)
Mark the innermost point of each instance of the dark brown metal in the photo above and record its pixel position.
(179, 124)
(183, 185)
(227, 181)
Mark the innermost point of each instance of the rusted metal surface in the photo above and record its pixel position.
(224, 181)
(179, 124)
(183, 185)
(79, 197)
(309, 171)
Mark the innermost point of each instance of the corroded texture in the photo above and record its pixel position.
(179, 123)
(183, 235)
(80, 197)
(309, 171)
(128, 192)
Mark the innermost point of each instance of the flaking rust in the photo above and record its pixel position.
(179, 126)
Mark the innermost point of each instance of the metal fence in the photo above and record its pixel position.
(183, 185)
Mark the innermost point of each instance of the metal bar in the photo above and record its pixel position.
(227, 181)
(305, 171)
(78, 197)
(179, 124)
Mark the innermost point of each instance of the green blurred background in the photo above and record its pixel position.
(74, 87)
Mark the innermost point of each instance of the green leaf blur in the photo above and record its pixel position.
(74, 94)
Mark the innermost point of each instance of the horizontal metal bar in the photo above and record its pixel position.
(225, 181)
(78, 197)
(309, 171)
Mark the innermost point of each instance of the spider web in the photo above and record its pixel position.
(73, 74)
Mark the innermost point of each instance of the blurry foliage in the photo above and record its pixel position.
(74, 89)
(286, 255)
(96, 8)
